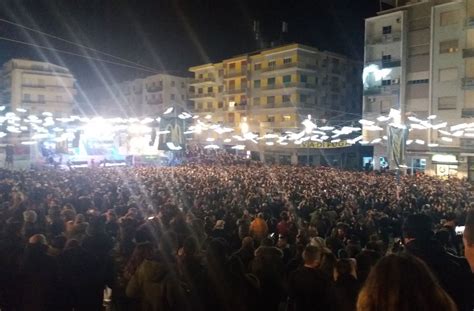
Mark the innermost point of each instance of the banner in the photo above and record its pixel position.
(397, 138)
(325, 144)
(176, 128)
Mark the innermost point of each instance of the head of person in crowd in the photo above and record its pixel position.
(402, 282)
(312, 257)
(468, 238)
(417, 227)
(141, 252)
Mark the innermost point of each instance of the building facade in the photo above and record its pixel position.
(38, 87)
(423, 53)
(137, 98)
(271, 91)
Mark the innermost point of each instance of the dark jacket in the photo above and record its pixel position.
(347, 289)
(452, 272)
(310, 289)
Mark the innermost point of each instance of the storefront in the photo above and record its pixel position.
(445, 164)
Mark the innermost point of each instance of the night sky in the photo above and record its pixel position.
(175, 34)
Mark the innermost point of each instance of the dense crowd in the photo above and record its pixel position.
(233, 237)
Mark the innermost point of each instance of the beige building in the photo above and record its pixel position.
(138, 98)
(273, 90)
(424, 53)
(37, 87)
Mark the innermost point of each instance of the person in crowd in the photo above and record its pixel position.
(403, 282)
(347, 286)
(468, 239)
(309, 288)
(246, 252)
(452, 271)
(258, 228)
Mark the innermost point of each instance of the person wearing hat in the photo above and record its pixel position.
(453, 272)
(259, 228)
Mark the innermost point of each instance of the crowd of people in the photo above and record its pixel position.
(238, 236)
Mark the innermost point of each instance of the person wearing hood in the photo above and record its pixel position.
(155, 282)
(453, 272)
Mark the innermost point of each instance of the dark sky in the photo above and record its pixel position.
(175, 34)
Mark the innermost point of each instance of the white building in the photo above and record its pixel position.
(421, 54)
(139, 97)
(37, 87)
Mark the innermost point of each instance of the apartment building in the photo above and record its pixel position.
(420, 55)
(138, 98)
(271, 91)
(38, 87)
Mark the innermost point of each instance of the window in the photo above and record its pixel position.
(303, 78)
(209, 89)
(199, 106)
(209, 105)
(449, 46)
(256, 84)
(287, 60)
(220, 105)
(172, 97)
(221, 88)
(256, 101)
(271, 119)
(447, 103)
(386, 58)
(232, 85)
(387, 30)
(243, 83)
(449, 17)
(26, 97)
(270, 100)
(286, 118)
(41, 98)
(386, 82)
(200, 90)
(173, 83)
(286, 98)
(271, 64)
(421, 81)
(161, 83)
(257, 66)
(243, 63)
(153, 96)
(271, 81)
(232, 66)
(303, 98)
(287, 79)
(448, 74)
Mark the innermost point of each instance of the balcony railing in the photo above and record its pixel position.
(289, 85)
(468, 83)
(468, 53)
(384, 39)
(154, 88)
(386, 63)
(236, 91)
(202, 80)
(299, 65)
(467, 113)
(235, 73)
(203, 95)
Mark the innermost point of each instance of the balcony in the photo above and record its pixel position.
(235, 73)
(203, 95)
(154, 88)
(385, 63)
(468, 83)
(236, 91)
(203, 80)
(299, 85)
(385, 39)
(467, 113)
(470, 22)
(292, 65)
(382, 90)
(466, 53)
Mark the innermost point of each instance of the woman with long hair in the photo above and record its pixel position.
(402, 283)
